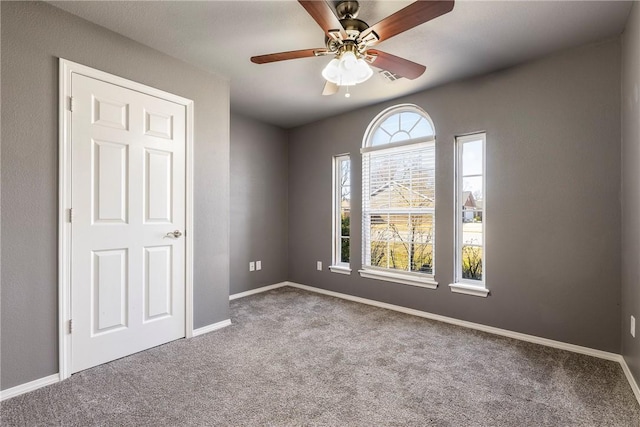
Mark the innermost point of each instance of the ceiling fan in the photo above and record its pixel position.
(350, 40)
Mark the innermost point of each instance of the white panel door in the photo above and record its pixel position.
(128, 199)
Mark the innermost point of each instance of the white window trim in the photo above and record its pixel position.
(405, 278)
(396, 276)
(460, 285)
(337, 265)
(399, 146)
(341, 269)
(464, 288)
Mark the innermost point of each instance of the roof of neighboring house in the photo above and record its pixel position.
(469, 200)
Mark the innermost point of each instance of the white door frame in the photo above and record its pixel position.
(66, 69)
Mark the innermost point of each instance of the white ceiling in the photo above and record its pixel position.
(221, 36)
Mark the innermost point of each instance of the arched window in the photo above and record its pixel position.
(399, 124)
(398, 191)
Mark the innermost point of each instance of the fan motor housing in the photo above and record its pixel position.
(353, 24)
(353, 27)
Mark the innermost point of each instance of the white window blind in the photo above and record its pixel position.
(399, 208)
(398, 197)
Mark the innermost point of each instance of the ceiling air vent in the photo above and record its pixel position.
(390, 76)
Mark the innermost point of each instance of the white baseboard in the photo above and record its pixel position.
(490, 329)
(257, 291)
(27, 387)
(632, 381)
(212, 327)
(52, 379)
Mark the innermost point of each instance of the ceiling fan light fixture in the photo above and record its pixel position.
(331, 72)
(349, 38)
(347, 70)
(364, 71)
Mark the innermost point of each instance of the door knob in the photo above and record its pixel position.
(174, 234)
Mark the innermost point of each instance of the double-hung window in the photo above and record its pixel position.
(398, 192)
(341, 214)
(470, 253)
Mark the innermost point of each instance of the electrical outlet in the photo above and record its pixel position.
(252, 266)
(258, 265)
(319, 265)
(633, 326)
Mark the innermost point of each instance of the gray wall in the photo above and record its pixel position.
(553, 215)
(34, 35)
(259, 174)
(631, 189)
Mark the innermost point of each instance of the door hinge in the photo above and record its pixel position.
(72, 103)
(70, 325)
(70, 214)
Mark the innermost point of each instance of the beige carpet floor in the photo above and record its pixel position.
(294, 358)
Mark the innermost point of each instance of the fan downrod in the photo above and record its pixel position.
(347, 9)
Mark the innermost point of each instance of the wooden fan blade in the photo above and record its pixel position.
(283, 56)
(330, 88)
(395, 64)
(323, 14)
(411, 16)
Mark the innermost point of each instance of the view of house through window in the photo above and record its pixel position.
(399, 195)
(470, 208)
(342, 211)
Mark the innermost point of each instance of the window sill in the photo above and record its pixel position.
(405, 279)
(462, 288)
(340, 269)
